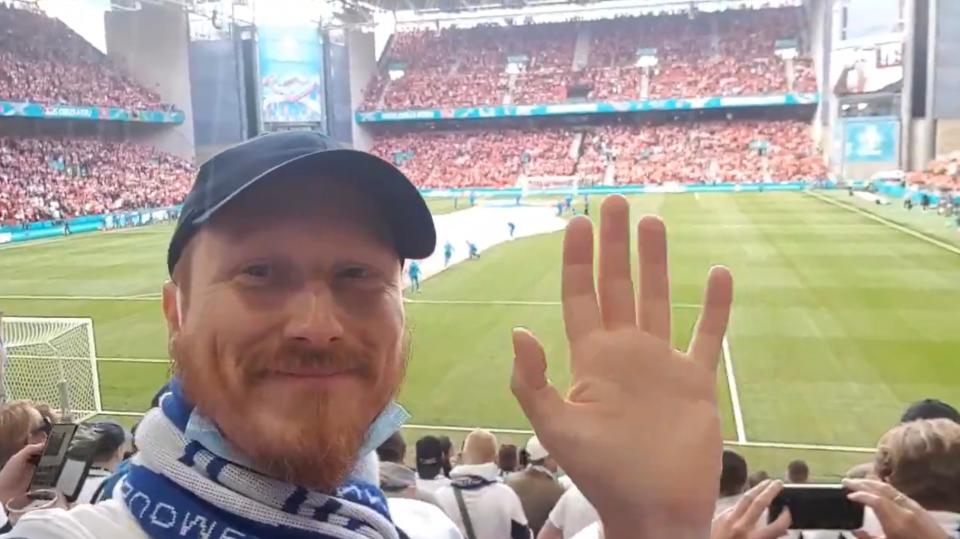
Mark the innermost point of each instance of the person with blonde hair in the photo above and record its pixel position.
(921, 460)
(480, 504)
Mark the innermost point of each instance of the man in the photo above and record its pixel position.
(447, 253)
(477, 501)
(414, 273)
(396, 480)
(930, 409)
(798, 472)
(430, 475)
(537, 485)
(472, 250)
(733, 480)
(572, 514)
(287, 332)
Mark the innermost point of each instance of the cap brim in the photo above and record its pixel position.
(404, 210)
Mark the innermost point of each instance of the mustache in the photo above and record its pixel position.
(341, 356)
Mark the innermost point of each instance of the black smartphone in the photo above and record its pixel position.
(818, 507)
(75, 469)
(53, 457)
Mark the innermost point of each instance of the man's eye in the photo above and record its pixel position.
(355, 273)
(259, 271)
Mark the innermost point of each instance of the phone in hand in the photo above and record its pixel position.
(818, 507)
(53, 457)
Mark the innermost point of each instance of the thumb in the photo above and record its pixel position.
(28, 451)
(777, 528)
(537, 396)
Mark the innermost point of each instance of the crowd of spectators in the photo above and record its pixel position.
(48, 178)
(711, 54)
(684, 152)
(43, 61)
(942, 173)
(741, 151)
(478, 158)
(506, 496)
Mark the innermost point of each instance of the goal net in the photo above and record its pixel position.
(52, 360)
(533, 185)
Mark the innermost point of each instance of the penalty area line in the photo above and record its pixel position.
(511, 302)
(734, 392)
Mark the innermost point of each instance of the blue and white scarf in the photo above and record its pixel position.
(178, 488)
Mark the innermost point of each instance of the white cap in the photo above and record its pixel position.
(536, 450)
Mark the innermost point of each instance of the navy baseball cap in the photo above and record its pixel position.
(269, 157)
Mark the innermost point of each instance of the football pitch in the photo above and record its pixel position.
(841, 318)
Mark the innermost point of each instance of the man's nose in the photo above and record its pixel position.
(315, 317)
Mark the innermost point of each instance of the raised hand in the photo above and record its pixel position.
(742, 521)
(639, 431)
(900, 516)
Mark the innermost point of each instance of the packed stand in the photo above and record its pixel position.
(46, 178)
(722, 53)
(43, 61)
(942, 173)
(467, 67)
(713, 54)
(741, 151)
(478, 159)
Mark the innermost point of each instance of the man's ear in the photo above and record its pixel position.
(172, 305)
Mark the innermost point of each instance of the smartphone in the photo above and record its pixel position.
(818, 507)
(53, 457)
(74, 473)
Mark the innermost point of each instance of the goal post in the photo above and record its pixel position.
(54, 361)
(547, 185)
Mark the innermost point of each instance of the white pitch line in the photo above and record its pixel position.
(81, 298)
(131, 360)
(805, 447)
(734, 392)
(523, 432)
(889, 223)
(511, 302)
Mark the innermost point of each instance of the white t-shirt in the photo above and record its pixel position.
(495, 509)
(592, 531)
(422, 520)
(572, 513)
(109, 519)
(432, 485)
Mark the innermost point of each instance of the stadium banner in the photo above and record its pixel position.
(870, 140)
(615, 107)
(290, 64)
(666, 188)
(12, 109)
(87, 223)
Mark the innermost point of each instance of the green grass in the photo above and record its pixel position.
(839, 321)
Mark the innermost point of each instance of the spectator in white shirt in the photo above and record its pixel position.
(478, 502)
(106, 442)
(572, 514)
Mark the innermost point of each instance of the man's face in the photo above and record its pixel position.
(291, 337)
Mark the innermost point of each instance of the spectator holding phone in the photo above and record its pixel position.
(918, 463)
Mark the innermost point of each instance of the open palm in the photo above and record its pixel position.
(639, 431)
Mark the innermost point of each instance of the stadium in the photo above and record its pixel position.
(810, 146)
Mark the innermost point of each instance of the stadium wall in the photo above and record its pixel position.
(217, 95)
(946, 72)
(152, 45)
(362, 64)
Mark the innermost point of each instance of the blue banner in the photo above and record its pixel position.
(871, 140)
(290, 73)
(558, 109)
(77, 112)
(86, 223)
